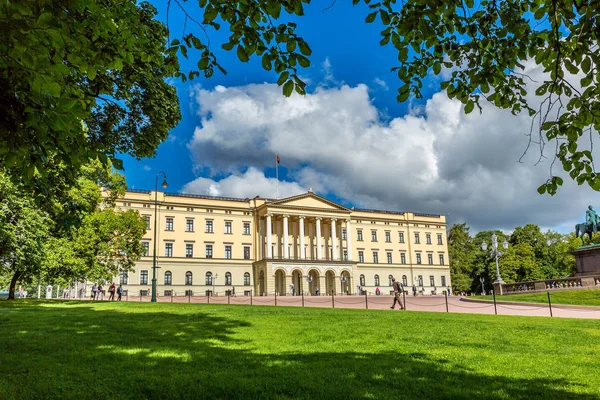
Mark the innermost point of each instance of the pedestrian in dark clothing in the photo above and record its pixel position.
(398, 289)
(414, 290)
(119, 292)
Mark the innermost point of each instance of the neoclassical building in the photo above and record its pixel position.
(304, 243)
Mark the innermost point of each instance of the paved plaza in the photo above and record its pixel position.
(383, 302)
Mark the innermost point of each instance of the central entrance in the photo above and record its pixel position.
(297, 281)
(314, 286)
(329, 282)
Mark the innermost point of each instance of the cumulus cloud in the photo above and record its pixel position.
(248, 184)
(438, 160)
(381, 83)
(147, 168)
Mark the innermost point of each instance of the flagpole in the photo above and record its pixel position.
(277, 176)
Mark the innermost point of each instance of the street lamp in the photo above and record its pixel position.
(164, 185)
(309, 279)
(343, 280)
(482, 280)
(213, 282)
(495, 252)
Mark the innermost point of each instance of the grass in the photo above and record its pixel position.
(53, 350)
(573, 297)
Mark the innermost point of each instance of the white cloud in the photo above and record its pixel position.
(147, 168)
(249, 184)
(381, 83)
(438, 160)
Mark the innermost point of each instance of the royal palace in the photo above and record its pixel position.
(301, 244)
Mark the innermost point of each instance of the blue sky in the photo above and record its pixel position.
(349, 139)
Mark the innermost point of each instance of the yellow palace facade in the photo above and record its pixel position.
(301, 244)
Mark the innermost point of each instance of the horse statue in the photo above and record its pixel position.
(582, 229)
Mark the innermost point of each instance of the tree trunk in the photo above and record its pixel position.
(13, 284)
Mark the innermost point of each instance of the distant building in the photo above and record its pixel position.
(262, 246)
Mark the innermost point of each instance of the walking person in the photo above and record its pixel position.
(100, 293)
(414, 291)
(119, 292)
(111, 291)
(94, 291)
(397, 294)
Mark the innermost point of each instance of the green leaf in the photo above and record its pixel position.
(266, 62)
(542, 189)
(304, 48)
(385, 17)
(203, 63)
(437, 68)
(210, 13)
(290, 45)
(118, 164)
(228, 46)
(282, 78)
(303, 61)
(469, 107)
(288, 88)
(44, 18)
(371, 17)
(241, 53)
(53, 89)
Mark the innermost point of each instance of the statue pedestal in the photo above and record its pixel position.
(587, 259)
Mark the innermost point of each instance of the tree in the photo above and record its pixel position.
(109, 241)
(23, 231)
(518, 264)
(461, 252)
(79, 81)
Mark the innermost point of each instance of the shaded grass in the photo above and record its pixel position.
(574, 297)
(181, 351)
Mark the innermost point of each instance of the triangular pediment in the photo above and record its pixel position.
(309, 200)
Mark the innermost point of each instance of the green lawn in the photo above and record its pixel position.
(52, 350)
(574, 297)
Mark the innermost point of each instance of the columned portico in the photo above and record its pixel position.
(334, 254)
(301, 229)
(286, 246)
(349, 239)
(319, 239)
(269, 239)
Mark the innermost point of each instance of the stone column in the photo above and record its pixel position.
(279, 253)
(319, 250)
(301, 228)
(286, 246)
(334, 255)
(294, 253)
(269, 238)
(349, 239)
(261, 241)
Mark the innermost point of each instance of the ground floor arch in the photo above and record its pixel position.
(346, 282)
(261, 283)
(314, 285)
(297, 282)
(329, 282)
(280, 288)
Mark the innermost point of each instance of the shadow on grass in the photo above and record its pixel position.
(84, 352)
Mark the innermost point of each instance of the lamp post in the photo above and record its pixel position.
(309, 280)
(214, 278)
(164, 185)
(482, 280)
(343, 280)
(498, 282)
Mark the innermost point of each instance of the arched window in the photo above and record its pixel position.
(228, 278)
(404, 280)
(376, 280)
(362, 280)
(247, 279)
(209, 278)
(188, 278)
(390, 280)
(168, 278)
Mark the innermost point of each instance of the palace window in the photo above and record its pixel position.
(373, 236)
(420, 280)
(402, 258)
(123, 277)
(359, 236)
(146, 248)
(246, 252)
(441, 255)
(228, 278)
(430, 259)
(343, 233)
(375, 258)
(169, 224)
(189, 225)
(209, 226)
(428, 238)
(246, 228)
(189, 250)
(390, 280)
(228, 252)
(168, 249)
(376, 280)
(388, 236)
(389, 257)
(418, 258)
(144, 277)
(439, 237)
(362, 280)
(209, 251)
(401, 237)
(361, 256)
(417, 238)
(404, 280)
(443, 280)
(431, 280)
(147, 218)
(209, 278)
(345, 255)
(228, 227)
(189, 278)
(168, 278)
(246, 279)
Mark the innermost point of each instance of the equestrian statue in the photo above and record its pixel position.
(590, 226)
